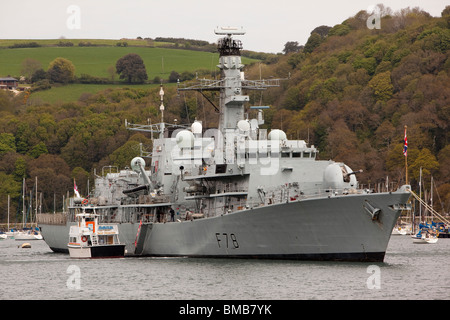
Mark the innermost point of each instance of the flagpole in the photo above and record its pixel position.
(406, 155)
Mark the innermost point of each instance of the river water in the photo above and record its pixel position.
(410, 271)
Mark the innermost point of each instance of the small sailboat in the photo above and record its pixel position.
(28, 234)
(89, 239)
(425, 235)
(402, 229)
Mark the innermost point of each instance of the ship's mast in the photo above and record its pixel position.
(231, 98)
(232, 80)
(161, 108)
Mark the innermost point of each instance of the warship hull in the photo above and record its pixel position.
(337, 228)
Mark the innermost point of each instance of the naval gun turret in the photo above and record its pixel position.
(138, 166)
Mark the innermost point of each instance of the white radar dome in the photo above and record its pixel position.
(196, 128)
(277, 134)
(185, 139)
(243, 125)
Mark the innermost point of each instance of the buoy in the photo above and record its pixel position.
(26, 245)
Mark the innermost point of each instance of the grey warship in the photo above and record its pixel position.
(237, 191)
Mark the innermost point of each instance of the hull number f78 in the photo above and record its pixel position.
(227, 240)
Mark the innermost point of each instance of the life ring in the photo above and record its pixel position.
(84, 238)
(84, 202)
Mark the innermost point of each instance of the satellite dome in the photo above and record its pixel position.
(185, 139)
(196, 127)
(277, 134)
(243, 125)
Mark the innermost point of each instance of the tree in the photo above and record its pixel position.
(313, 42)
(322, 31)
(174, 76)
(132, 68)
(61, 70)
(7, 143)
(38, 75)
(425, 160)
(111, 72)
(29, 67)
(291, 46)
(382, 86)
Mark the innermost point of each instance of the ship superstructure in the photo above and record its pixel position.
(239, 191)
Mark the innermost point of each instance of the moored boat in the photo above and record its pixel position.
(27, 235)
(89, 239)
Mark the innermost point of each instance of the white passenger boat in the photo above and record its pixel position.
(89, 239)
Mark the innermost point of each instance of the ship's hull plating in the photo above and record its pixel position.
(335, 228)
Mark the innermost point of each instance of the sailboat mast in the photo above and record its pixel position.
(431, 198)
(36, 204)
(8, 210)
(420, 196)
(23, 203)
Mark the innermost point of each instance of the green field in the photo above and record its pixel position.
(5, 43)
(96, 60)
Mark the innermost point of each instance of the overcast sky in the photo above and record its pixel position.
(268, 24)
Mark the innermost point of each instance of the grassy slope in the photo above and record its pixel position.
(96, 60)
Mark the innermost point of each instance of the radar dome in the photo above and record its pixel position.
(243, 125)
(196, 128)
(136, 163)
(277, 134)
(185, 139)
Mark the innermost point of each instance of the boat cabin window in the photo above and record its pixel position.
(285, 154)
(106, 239)
(306, 154)
(296, 154)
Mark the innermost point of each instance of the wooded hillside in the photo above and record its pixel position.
(351, 91)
